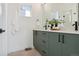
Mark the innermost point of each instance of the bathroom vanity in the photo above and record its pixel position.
(56, 43)
(59, 42)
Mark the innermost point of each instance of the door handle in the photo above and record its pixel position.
(1, 30)
(59, 38)
(63, 39)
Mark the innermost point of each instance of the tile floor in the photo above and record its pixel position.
(32, 52)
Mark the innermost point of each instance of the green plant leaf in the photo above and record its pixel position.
(56, 21)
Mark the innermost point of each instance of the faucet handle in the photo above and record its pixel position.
(73, 24)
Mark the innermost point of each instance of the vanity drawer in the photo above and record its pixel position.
(43, 51)
(42, 35)
(43, 43)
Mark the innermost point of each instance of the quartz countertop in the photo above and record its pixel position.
(60, 31)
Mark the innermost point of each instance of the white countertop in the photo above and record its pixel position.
(60, 31)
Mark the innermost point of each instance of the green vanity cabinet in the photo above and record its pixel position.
(70, 44)
(54, 47)
(56, 43)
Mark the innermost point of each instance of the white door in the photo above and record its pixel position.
(3, 39)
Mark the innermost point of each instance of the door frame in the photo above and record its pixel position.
(4, 26)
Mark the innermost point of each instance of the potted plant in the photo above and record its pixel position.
(55, 22)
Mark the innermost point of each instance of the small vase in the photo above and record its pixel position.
(52, 26)
(56, 25)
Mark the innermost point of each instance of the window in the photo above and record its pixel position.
(25, 10)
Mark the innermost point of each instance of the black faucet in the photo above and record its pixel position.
(76, 25)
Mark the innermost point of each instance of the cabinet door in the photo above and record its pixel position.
(70, 45)
(54, 44)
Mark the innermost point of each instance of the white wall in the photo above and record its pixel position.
(19, 34)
